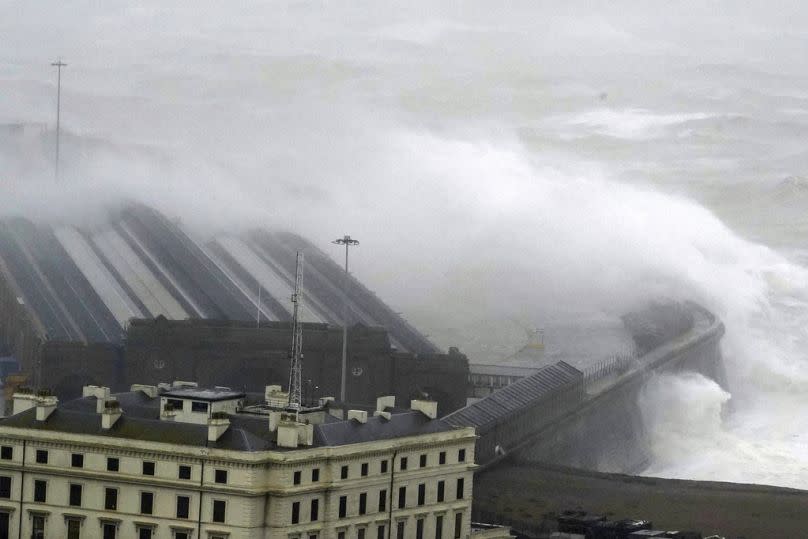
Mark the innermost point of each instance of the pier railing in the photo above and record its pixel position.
(617, 364)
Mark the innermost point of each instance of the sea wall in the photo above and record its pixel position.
(605, 432)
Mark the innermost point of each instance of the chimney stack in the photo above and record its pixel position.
(382, 403)
(110, 414)
(24, 399)
(428, 408)
(360, 415)
(45, 406)
(218, 424)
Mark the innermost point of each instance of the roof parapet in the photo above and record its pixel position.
(110, 414)
(428, 408)
(218, 424)
(45, 407)
(360, 415)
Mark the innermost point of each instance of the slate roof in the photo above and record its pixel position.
(516, 397)
(247, 432)
(202, 394)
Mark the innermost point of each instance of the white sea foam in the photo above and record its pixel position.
(628, 123)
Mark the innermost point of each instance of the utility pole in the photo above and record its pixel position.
(58, 64)
(347, 241)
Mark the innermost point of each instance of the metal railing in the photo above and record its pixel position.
(618, 364)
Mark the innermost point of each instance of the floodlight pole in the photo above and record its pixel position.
(58, 64)
(347, 241)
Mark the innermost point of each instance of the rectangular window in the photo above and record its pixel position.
(146, 503)
(296, 477)
(199, 407)
(400, 530)
(218, 510)
(144, 532)
(113, 464)
(295, 512)
(315, 510)
(383, 466)
(38, 527)
(315, 475)
(40, 491)
(382, 500)
(5, 487)
(422, 461)
(441, 491)
(360, 533)
(181, 535)
(184, 471)
(363, 503)
(110, 530)
(421, 494)
(340, 535)
(111, 499)
(461, 455)
(402, 497)
(41, 456)
(458, 525)
(174, 404)
(419, 529)
(403, 465)
(6, 452)
(148, 468)
(380, 532)
(343, 506)
(77, 460)
(75, 495)
(442, 457)
(183, 506)
(460, 489)
(73, 528)
(220, 476)
(364, 469)
(439, 527)
(343, 472)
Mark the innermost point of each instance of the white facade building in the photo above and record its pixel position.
(181, 462)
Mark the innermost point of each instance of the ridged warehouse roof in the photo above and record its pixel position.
(515, 397)
(84, 285)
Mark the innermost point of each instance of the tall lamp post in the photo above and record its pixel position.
(348, 242)
(58, 64)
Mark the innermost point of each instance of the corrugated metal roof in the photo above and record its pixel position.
(515, 397)
(84, 285)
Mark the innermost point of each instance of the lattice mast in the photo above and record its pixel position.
(296, 352)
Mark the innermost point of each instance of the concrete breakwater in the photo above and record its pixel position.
(591, 419)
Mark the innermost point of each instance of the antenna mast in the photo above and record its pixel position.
(296, 353)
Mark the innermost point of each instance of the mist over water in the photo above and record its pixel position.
(541, 163)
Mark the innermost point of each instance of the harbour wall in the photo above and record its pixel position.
(596, 423)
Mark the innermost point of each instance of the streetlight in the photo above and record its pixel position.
(347, 241)
(58, 64)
